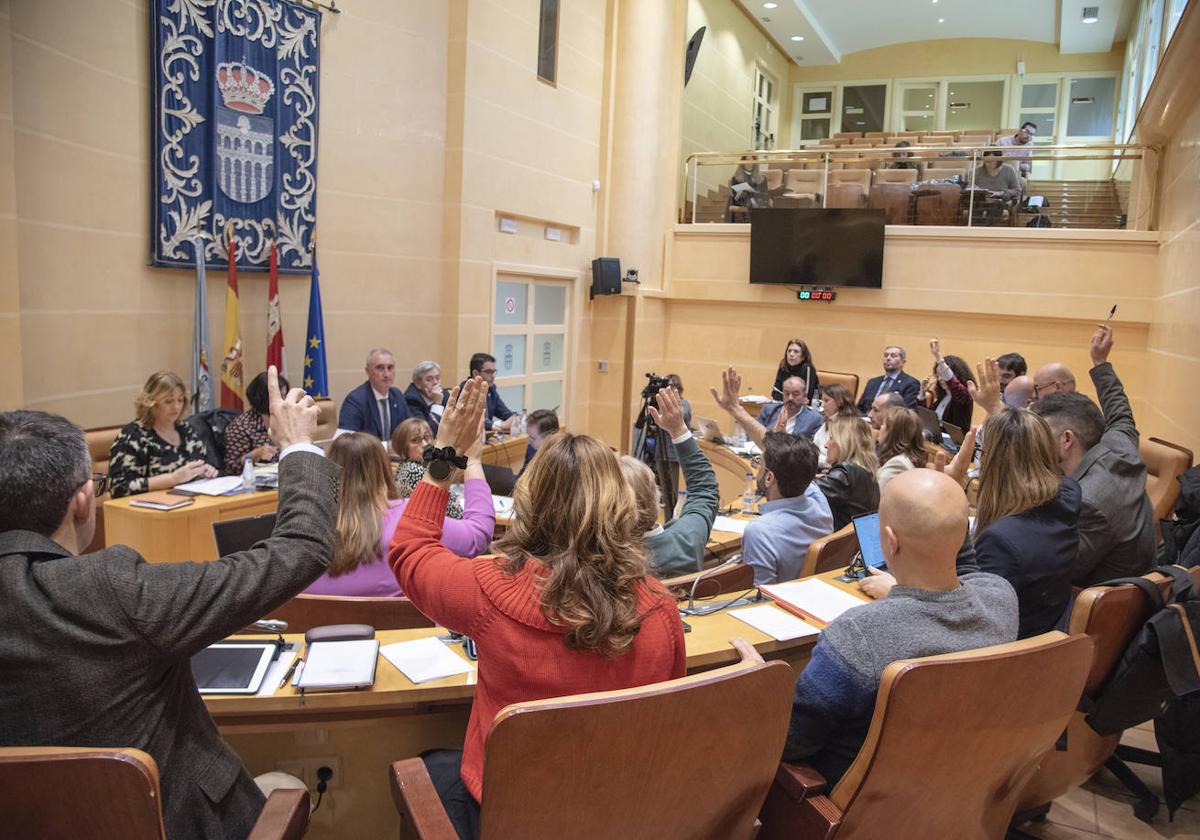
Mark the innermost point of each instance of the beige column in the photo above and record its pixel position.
(12, 394)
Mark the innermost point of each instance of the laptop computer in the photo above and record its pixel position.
(708, 430)
(933, 426)
(234, 535)
(956, 434)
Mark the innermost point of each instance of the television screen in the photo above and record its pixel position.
(817, 247)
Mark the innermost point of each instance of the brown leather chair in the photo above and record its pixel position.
(91, 792)
(908, 177)
(952, 741)
(774, 179)
(846, 196)
(1165, 462)
(892, 198)
(847, 135)
(327, 422)
(305, 612)
(734, 578)
(1111, 616)
(624, 763)
(99, 444)
(936, 204)
(830, 553)
(803, 185)
(849, 380)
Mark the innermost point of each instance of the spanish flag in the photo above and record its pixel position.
(232, 394)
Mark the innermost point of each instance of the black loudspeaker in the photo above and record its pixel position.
(689, 56)
(606, 276)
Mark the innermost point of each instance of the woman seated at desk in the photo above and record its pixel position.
(566, 605)
(836, 401)
(368, 510)
(850, 486)
(901, 444)
(247, 433)
(408, 443)
(157, 450)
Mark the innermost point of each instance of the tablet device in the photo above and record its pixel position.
(232, 668)
(933, 426)
(866, 528)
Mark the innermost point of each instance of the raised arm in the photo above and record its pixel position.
(986, 390)
(731, 386)
(1118, 416)
(703, 498)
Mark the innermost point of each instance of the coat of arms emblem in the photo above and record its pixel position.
(245, 136)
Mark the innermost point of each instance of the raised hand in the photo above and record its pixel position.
(669, 414)
(961, 464)
(731, 386)
(294, 417)
(986, 391)
(461, 424)
(1102, 342)
(781, 420)
(935, 347)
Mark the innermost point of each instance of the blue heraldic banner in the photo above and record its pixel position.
(235, 131)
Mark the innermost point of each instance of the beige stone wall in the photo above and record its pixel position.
(11, 388)
(1173, 353)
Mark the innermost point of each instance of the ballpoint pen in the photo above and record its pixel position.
(291, 670)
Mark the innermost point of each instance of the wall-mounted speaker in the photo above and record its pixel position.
(606, 276)
(689, 56)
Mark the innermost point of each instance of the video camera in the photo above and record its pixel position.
(656, 384)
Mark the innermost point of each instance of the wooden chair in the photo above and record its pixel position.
(892, 198)
(1111, 616)
(907, 177)
(625, 764)
(847, 135)
(849, 380)
(734, 578)
(305, 612)
(936, 204)
(829, 553)
(803, 184)
(90, 792)
(848, 187)
(774, 179)
(952, 741)
(1165, 462)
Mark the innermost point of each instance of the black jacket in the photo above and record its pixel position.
(803, 371)
(417, 407)
(908, 387)
(1034, 551)
(851, 491)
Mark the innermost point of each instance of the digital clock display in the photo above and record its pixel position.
(817, 294)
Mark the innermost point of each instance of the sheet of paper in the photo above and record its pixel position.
(730, 525)
(757, 399)
(502, 504)
(814, 597)
(279, 667)
(747, 448)
(741, 188)
(213, 486)
(775, 622)
(422, 660)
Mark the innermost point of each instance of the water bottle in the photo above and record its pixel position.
(680, 501)
(750, 496)
(248, 474)
(523, 420)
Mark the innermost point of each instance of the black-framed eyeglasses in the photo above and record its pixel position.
(756, 461)
(100, 480)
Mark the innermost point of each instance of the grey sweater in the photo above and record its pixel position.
(679, 548)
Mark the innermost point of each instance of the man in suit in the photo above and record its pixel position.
(496, 415)
(795, 415)
(424, 395)
(1100, 451)
(376, 406)
(95, 649)
(894, 379)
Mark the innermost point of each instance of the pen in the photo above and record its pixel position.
(1111, 313)
(291, 670)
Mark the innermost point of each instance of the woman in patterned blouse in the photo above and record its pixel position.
(157, 450)
(247, 433)
(408, 443)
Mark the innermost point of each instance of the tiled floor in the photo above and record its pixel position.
(1103, 808)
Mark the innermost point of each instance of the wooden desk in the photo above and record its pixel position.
(360, 733)
(506, 452)
(175, 536)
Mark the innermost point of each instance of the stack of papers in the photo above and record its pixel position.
(730, 525)
(758, 399)
(226, 485)
(812, 598)
(160, 500)
(747, 448)
(503, 505)
(775, 622)
(422, 660)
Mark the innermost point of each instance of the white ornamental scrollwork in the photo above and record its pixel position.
(254, 20)
(177, 115)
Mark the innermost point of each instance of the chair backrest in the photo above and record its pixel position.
(936, 204)
(210, 428)
(803, 180)
(863, 141)
(305, 612)
(955, 737)
(949, 163)
(736, 577)
(234, 535)
(80, 792)
(892, 198)
(861, 177)
(1165, 462)
(934, 141)
(847, 135)
(847, 196)
(99, 444)
(643, 775)
(774, 178)
(327, 422)
(896, 176)
(832, 552)
(849, 380)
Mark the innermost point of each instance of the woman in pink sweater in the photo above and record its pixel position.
(368, 510)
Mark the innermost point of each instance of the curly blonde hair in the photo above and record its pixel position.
(159, 385)
(575, 514)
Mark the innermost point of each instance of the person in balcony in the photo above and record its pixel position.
(747, 191)
(1002, 185)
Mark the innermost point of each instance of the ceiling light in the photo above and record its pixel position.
(1091, 14)
(941, 20)
(797, 37)
(770, 5)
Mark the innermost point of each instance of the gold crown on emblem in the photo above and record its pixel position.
(243, 88)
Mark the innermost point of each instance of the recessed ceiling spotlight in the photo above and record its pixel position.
(941, 20)
(797, 37)
(765, 19)
(1091, 14)
(770, 5)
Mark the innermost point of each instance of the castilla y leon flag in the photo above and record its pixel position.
(274, 322)
(232, 394)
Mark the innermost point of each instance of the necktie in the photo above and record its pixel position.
(385, 418)
(886, 385)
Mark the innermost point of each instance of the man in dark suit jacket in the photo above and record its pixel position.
(95, 649)
(799, 418)
(424, 395)
(496, 414)
(376, 406)
(894, 379)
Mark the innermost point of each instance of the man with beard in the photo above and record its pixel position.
(793, 414)
(894, 379)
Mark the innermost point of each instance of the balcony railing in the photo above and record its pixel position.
(1105, 186)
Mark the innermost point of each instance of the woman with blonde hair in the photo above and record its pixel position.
(408, 444)
(836, 401)
(1026, 525)
(157, 450)
(677, 547)
(901, 444)
(850, 486)
(368, 510)
(565, 606)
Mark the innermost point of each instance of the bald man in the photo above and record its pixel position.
(930, 610)
(1019, 392)
(1054, 378)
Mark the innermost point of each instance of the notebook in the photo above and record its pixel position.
(812, 598)
(161, 500)
(333, 666)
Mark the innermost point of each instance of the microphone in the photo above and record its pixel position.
(270, 625)
(691, 607)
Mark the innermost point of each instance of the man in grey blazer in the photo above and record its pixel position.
(95, 648)
(1100, 451)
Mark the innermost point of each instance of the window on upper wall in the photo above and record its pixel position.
(547, 69)
(762, 133)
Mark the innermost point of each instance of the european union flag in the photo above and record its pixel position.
(316, 377)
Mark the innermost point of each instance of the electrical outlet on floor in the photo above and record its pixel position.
(311, 765)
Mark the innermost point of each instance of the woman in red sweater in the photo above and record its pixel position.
(565, 606)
